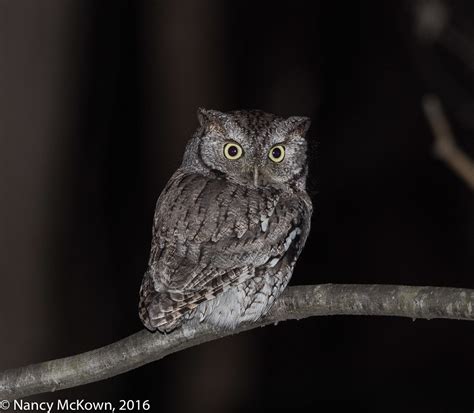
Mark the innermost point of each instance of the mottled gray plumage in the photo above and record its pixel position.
(230, 224)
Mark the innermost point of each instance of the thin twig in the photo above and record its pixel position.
(295, 303)
(445, 146)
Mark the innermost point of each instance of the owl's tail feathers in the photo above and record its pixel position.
(161, 310)
(153, 307)
(158, 311)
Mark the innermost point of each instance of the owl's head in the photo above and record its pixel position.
(252, 148)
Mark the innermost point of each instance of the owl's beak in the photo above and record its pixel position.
(255, 176)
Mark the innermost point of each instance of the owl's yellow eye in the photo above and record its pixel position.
(277, 153)
(233, 151)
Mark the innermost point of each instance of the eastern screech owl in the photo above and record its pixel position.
(230, 224)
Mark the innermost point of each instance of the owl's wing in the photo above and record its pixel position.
(210, 234)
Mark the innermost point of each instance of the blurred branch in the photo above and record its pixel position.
(445, 146)
(295, 303)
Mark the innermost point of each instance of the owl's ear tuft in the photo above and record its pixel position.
(202, 116)
(298, 125)
(211, 119)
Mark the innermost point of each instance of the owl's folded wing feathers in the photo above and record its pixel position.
(209, 235)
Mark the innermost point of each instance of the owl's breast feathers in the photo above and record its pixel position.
(211, 234)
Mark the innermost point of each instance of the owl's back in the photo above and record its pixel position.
(221, 252)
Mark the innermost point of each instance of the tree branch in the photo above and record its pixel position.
(295, 303)
(445, 146)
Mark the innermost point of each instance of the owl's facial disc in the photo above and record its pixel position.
(253, 148)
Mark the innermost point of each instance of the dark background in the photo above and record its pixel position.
(97, 100)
